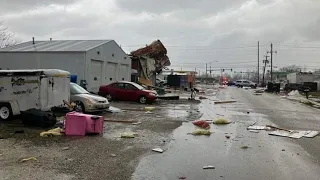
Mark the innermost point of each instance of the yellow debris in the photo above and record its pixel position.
(52, 132)
(149, 108)
(128, 135)
(29, 159)
(221, 121)
(199, 132)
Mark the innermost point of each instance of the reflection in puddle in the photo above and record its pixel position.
(177, 113)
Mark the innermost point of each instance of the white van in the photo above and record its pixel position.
(42, 89)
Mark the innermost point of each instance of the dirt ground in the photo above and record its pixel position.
(92, 157)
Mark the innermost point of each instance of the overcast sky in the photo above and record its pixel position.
(224, 32)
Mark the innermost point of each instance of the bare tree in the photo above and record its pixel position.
(291, 69)
(6, 37)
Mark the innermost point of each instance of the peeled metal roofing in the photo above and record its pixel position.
(59, 45)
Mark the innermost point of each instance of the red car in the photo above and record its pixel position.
(127, 91)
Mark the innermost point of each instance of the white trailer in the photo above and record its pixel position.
(42, 89)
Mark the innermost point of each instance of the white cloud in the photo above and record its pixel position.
(202, 31)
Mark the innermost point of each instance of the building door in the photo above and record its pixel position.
(111, 73)
(95, 75)
(124, 72)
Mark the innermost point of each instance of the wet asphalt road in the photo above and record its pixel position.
(268, 157)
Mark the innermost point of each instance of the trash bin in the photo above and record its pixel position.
(73, 78)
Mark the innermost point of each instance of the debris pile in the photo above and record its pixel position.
(202, 124)
(156, 51)
(221, 121)
(148, 61)
(276, 131)
(199, 132)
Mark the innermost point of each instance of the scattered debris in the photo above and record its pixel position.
(128, 135)
(113, 110)
(221, 121)
(294, 93)
(202, 97)
(244, 147)
(120, 121)
(276, 131)
(28, 159)
(113, 155)
(136, 123)
(209, 167)
(201, 123)
(199, 132)
(19, 132)
(254, 131)
(259, 91)
(224, 102)
(149, 108)
(52, 132)
(258, 128)
(159, 150)
(65, 148)
(294, 134)
(228, 137)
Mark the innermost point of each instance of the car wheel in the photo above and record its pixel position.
(80, 107)
(108, 96)
(5, 112)
(143, 100)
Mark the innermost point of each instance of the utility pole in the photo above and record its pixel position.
(207, 70)
(271, 52)
(210, 71)
(264, 68)
(258, 62)
(271, 59)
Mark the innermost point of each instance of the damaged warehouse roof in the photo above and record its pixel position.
(156, 51)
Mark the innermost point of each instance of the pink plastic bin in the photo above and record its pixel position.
(94, 124)
(75, 124)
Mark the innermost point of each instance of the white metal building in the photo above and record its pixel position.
(96, 61)
(300, 78)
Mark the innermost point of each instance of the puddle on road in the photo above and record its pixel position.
(177, 113)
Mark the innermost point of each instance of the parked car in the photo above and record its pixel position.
(127, 91)
(245, 83)
(231, 83)
(86, 101)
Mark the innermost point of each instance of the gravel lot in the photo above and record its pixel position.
(92, 157)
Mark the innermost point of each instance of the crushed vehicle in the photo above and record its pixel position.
(86, 101)
(40, 89)
(127, 91)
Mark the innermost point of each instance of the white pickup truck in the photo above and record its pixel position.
(245, 83)
(41, 89)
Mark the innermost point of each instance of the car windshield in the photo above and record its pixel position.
(76, 89)
(139, 86)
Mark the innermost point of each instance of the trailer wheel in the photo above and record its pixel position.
(5, 111)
